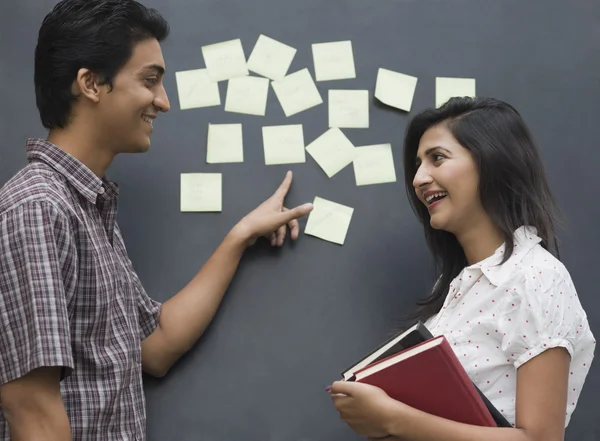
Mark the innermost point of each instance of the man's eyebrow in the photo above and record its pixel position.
(156, 68)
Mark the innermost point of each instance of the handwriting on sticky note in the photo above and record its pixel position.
(271, 58)
(247, 95)
(329, 221)
(225, 60)
(284, 144)
(195, 89)
(446, 88)
(374, 164)
(332, 151)
(333, 60)
(297, 92)
(224, 144)
(349, 108)
(395, 89)
(201, 192)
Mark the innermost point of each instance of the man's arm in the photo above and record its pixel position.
(33, 407)
(184, 317)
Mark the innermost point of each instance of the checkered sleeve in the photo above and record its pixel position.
(148, 313)
(37, 267)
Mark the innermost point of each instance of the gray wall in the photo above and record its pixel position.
(295, 317)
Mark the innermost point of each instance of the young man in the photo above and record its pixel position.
(76, 326)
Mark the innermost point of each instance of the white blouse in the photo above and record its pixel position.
(498, 317)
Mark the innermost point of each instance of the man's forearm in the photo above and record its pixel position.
(185, 316)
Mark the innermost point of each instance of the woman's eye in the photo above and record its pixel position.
(437, 157)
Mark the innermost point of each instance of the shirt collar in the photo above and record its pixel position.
(525, 238)
(79, 176)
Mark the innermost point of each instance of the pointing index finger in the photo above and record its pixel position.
(285, 186)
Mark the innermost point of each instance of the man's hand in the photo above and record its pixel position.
(185, 316)
(270, 218)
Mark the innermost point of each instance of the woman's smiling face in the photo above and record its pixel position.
(447, 181)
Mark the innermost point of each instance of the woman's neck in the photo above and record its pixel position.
(480, 242)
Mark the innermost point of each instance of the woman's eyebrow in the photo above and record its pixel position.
(431, 150)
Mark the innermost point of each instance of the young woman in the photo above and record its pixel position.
(505, 303)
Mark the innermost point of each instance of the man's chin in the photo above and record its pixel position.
(140, 148)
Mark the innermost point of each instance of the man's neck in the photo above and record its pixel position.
(80, 143)
(481, 241)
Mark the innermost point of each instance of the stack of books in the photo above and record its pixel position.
(423, 372)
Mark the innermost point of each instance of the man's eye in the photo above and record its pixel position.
(152, 80)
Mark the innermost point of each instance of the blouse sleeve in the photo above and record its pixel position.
(539, 316)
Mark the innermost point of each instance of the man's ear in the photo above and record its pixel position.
(87, 84)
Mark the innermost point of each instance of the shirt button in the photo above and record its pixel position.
(101, 191)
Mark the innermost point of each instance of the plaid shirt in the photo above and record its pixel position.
(69, 295)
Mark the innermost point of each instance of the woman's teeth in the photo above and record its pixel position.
(429, 199)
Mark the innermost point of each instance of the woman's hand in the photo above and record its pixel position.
(367, 409)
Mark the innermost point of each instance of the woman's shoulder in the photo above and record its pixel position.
(539, 267)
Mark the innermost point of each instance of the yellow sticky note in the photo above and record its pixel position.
(333, 61)
(446, 88)
(201, 192)
(225, 60)
(374, 164)
(395, 89)
(247, 95)
(284, 144)
(271, 58)
(225, 143)
(349, 109)
(195, 89)
(332, 151)
(297, 92)
(329, 221)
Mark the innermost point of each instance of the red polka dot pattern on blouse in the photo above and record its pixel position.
(527, 306)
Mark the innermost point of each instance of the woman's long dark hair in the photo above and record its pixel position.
(513, 187)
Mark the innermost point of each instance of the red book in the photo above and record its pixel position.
(430, 378)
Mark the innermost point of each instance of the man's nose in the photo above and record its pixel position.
(161, 101)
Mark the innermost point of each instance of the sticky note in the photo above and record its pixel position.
(374, 164)
(332, 151)
(225, 60)
(271, 58)
(329, 221)
(247, 95)
(395, 89)
(284, 144)
(349, 108)
(333, 61)
(297, 92)
(446, 88)
(201, 192)
(196, 89)
(225, 143)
